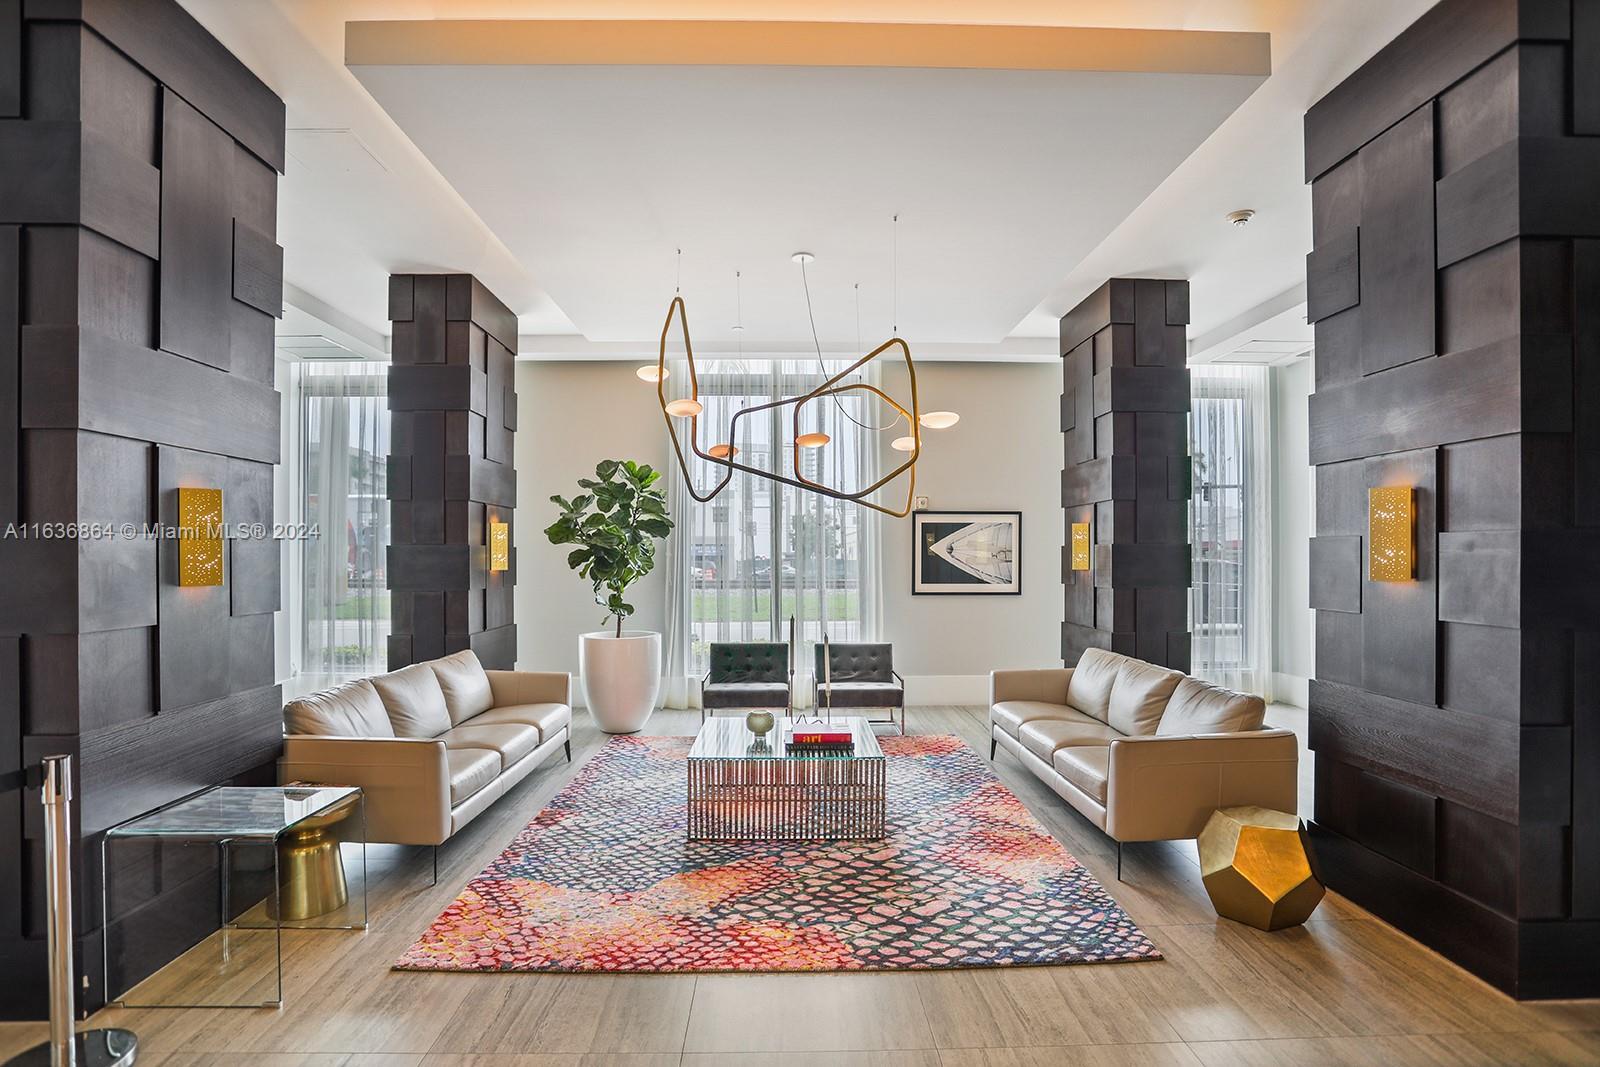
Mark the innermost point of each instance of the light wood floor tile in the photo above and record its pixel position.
(19, 1037)
(807, 1013)
(1172, 1054)
(557, 1059)
(976, 1009)
(1572, 1049)
(571, 1013)
(899, 1058)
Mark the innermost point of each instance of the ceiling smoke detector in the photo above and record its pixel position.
(1241, 217)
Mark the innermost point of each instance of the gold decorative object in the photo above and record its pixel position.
(1080, 546)
(690, 408)
(1256, 864)
(499, 546)
(759, 723)
(1391, 534)
(199, 537)
(311, 878)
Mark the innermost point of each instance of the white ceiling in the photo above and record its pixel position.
(362, 199)
(1001, 179)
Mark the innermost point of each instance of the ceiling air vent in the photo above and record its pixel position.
(1265, 353)
(314, 347)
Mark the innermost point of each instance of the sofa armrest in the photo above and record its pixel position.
(405, 781)
(1166, 787)
(1048, 685)
(530, 687)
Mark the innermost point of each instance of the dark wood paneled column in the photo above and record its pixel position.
(451, 473)
(139, 278)
(1455, 288)
(1125, 413)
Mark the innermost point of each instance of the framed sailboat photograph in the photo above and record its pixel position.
(967, 552)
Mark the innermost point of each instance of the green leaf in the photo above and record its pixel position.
(606, 469)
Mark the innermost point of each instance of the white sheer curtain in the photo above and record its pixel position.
(345, 449)
(1230, 430)
(739, 566)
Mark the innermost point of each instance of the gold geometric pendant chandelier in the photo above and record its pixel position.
(725, 452)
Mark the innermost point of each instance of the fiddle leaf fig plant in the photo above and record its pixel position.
(615, 522)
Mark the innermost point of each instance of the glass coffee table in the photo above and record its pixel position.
(216, 878)
(742, 788)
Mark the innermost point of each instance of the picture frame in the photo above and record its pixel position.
(966, 553)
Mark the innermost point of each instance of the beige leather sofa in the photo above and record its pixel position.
(431, 745)
(1145, 753)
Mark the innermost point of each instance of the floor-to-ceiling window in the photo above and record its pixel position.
(742, 565)
(1230, 526)
(344, 426)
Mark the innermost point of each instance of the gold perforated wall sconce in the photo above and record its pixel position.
(499, 546)
(1080, 546)
(199, 537)
(1392, 534)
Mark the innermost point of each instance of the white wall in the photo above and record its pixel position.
(1292, 511)
(571, 416)
(1004, 455)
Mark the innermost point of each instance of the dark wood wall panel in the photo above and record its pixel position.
(139, 279)
(1124, 408)
(1454, 715)
(450, 468)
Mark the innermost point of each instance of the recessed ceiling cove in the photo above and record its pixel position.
(595, 150)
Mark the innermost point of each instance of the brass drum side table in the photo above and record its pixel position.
(215, 878)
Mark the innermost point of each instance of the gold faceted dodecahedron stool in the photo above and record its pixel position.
(1257, 867)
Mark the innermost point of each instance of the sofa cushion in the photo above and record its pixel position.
(861, 695)
(1140, 695)
(550, 719)
(349, 710)
(1085, 766)
(1199, 707)
(1009, 715)
(1043, 736)
(1090, 688)
(745, 695)
(414, 701)
(470, 770)
(465, 686)
(511, 740)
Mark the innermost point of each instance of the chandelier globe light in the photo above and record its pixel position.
(652, 373)
(939, 420)
(684, 408)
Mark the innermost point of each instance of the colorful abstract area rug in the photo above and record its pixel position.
(604, 880)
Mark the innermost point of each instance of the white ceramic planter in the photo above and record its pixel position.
(621, 677)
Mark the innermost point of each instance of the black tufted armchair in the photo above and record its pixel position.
(747, 675)
(859, 676)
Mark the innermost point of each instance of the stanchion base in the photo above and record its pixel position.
(95, 1048)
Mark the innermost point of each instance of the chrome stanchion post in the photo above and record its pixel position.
(92, 1048)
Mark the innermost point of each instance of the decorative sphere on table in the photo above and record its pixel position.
(759, 723)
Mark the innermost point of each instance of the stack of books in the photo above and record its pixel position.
(822, 739)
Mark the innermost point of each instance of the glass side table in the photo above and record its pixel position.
(212, 881)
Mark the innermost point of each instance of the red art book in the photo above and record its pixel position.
(820, 737)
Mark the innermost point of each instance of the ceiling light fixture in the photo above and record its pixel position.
(652, 373)
(725, 453)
